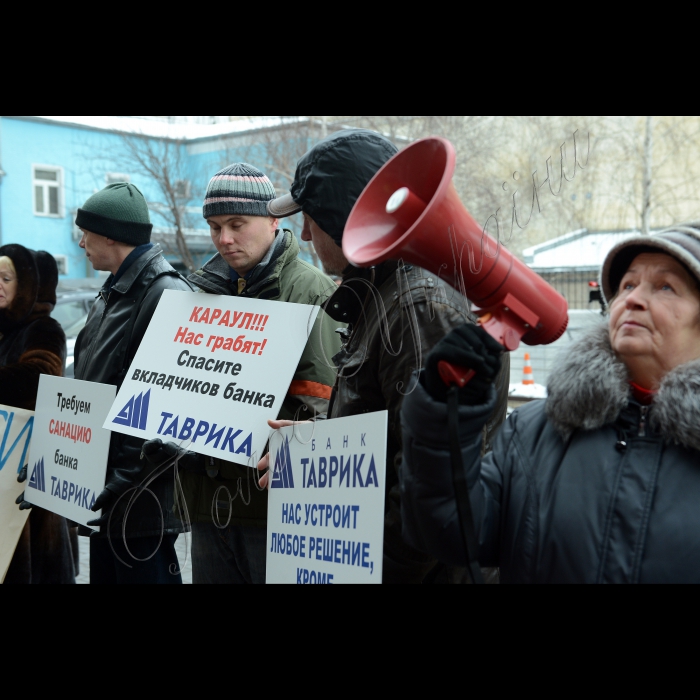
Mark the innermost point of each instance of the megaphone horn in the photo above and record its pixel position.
(410, 211)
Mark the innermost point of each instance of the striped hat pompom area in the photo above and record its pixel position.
(238, 189)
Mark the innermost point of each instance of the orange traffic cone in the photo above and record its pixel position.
(527, 370)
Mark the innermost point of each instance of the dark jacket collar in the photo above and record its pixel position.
(130, 259)
(267, 267)
(589, 388)
(345, 306)
(133, 272)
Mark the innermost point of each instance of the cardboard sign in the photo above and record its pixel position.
(69, 450)
(210, 371)
(325, 521)
(16, 427)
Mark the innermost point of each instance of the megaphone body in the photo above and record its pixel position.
(410, 211)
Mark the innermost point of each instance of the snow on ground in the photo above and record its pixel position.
(527, 391)
(84, 548)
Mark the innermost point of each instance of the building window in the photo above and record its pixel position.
(62, 264)
(111, 178)
(182, 189)
(48, 190)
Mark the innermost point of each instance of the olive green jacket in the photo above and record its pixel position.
(231, 489)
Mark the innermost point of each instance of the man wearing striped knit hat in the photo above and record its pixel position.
(255, 259)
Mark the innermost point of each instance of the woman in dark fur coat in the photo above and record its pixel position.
(32, 343)
(600, 483)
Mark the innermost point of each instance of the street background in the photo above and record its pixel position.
(181, 545)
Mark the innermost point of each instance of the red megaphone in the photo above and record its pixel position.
(410, 211)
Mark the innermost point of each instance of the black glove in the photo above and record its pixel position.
(156, 452)
(469, 347)
(22, 477)
(104, 501)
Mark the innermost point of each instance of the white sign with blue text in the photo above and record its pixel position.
(69, 450)
(325, 518)
(16, 427)
(210, 371)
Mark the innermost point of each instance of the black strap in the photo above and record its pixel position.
(129, 329)
(459, 479)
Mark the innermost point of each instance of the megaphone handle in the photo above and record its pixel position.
(454, 375)
(451, 374)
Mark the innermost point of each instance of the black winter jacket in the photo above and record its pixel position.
(397, 314)
(587, 487)
(100, 356)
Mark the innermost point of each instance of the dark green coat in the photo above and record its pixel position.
(283, 278)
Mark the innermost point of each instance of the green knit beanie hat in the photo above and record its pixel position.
(119, 212)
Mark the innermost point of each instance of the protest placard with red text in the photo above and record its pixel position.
(210, 371)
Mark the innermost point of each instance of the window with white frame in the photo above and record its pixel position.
(62, 264)
(77, 233)
(48, 190)
(182, 189)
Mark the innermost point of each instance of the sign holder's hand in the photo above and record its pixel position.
(104, 501)
(157, 453)
(21, 478)
(264, 463)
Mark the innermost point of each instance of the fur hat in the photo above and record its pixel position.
(681, 242)
(37, 278)
(27, 286)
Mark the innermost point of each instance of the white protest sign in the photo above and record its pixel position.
(210, 371)
(325, 517)
(69, 450)
(15, 434)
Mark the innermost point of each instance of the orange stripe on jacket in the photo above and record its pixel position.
(302, 388)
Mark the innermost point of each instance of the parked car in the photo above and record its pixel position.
(74, 298)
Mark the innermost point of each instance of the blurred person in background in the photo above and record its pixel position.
(600, 482)
(31, 344)
(116, 229)
(395, 314)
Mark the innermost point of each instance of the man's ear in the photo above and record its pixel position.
(110, 241)
(275, 223)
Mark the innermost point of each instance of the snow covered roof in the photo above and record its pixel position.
(582, 249)
(167, 130)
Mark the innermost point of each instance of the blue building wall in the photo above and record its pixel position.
(86, 156)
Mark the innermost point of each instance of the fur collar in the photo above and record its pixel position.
(588, 388)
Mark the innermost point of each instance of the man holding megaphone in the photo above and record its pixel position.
(411, 210)
(396, 313)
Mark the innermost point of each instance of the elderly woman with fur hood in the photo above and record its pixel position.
(32, 343)
(600, 483)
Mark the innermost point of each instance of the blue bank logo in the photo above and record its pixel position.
(135, 413)
(282, 476)
(38, 480)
